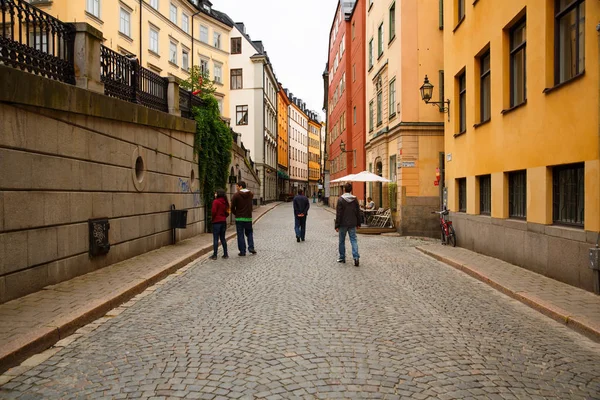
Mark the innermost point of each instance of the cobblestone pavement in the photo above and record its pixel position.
(290, 322)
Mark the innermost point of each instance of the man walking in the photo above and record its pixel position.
(241, 207)
(347, 219)
(301, 206)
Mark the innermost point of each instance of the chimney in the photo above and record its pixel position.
(241, 27)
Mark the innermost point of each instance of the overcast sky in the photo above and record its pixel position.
(295, 35)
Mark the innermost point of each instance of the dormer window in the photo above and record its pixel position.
(207, 7)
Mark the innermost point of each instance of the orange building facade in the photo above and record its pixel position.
(283, 159)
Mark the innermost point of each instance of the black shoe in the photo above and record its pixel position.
(213, 257)
(341, 260)
(297, 238)
(242, 254)
(225, 256)
(303, 239)
(252, 251)
(356, 262)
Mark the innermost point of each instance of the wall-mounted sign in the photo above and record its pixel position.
(408, 164)
(449, 157)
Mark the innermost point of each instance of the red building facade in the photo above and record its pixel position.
(346, 102)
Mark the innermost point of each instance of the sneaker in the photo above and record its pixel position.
(341, 260)
(252, 251)
(213, 257)
(356, 262)
(242, 254)
(298, 239)
(225, 256)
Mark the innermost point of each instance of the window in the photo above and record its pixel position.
(354, 115)
(203, 34)
(220, 102)
(462, 103)
(353, 29)
(173, 52)
(218, 73)
(392, 175)
(517, 194)
(125, 22)
(462, 194)
(236, 45)
(93, 7)
(485, 195)
(392, 21)
(217, 40)
(173, 14)
(185, 23)
(236, 79)
(241, 115)
(518, 81)
(567, 194)
(380, 40)
(370, 115)
(570, 39)
(485, 88)
(379, 106)
(371, 54)
(392, 95)
(353, 72)
(461, 9)
(40, 41)
(153, 42)
(204, 67)
(185, 56)
(154, 4)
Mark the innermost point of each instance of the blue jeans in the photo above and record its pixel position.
(219, 230)
(244, 228)
(352, 233)
(300, 226)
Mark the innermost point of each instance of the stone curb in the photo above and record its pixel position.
(548, 309)
(45, 337)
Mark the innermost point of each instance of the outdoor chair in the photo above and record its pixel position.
(383, 219)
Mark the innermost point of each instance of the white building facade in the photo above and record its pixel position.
(253, 107)
(298, 140)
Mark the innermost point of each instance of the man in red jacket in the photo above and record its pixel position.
(241, 207)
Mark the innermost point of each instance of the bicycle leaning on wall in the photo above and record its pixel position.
(448, 234)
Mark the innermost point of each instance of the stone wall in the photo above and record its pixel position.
(557, 252)
(68, 155)
(415, 218)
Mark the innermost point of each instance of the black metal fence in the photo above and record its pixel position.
(186, 101)
(125, 79)
(34, 41)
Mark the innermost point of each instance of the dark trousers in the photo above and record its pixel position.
(244, 229)
(300, 227)
(219, 230)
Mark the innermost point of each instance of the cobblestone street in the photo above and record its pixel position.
(290, 322)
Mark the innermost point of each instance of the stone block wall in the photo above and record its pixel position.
(415, 218)
(68, 155)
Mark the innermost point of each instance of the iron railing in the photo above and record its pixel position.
(187, 101)
(36, 42)
(125, 79)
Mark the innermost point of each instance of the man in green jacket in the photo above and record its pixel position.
(241, 207)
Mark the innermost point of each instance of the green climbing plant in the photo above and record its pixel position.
(393, 195)
(213, 141)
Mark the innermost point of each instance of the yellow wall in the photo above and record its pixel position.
(558, 127)
(109, 24)
(282, 132)
(314, 133)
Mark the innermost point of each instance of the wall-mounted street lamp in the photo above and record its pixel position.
(427, 92)
(343, 147)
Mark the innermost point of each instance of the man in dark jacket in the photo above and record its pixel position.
(241, 207)
(301, 206)
(347, 219)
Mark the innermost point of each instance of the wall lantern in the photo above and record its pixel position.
(427, 92)
(343, 147)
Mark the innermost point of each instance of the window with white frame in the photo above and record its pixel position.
(125, 22)
(93, 7)
(218, 73)
(173, 13)
(185, 23)
(392, 100)
(173, 52)
(154, 4)
(153, 42)
(217, 40)
(204, 66)
(185, 57)
(203, 34)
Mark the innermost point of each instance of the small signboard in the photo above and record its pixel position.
(408, 164)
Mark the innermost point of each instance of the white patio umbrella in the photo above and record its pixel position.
(367, 176)
(347, 178)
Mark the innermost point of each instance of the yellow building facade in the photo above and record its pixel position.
(405, 136)
(283, 157)
(522, 148)
(165, 29)
(314, 154)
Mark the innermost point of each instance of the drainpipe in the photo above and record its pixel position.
(141, 7)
